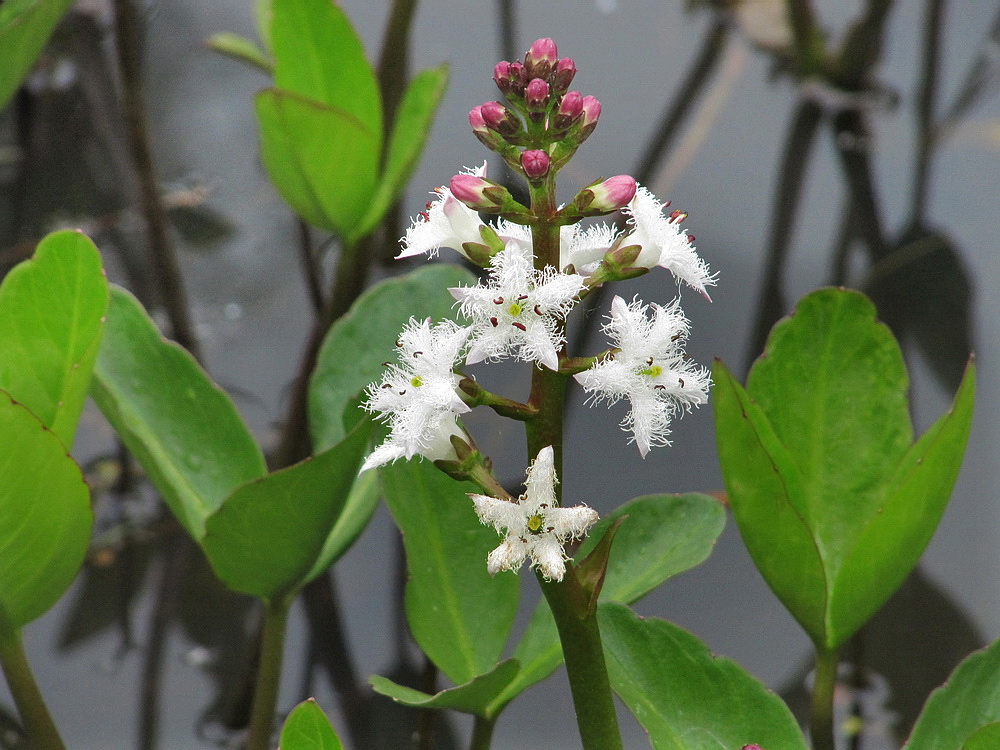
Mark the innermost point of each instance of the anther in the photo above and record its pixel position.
(495, 322)
(498, 301)
(538, 309)
(519, 326)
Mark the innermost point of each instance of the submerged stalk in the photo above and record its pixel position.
(42, 732)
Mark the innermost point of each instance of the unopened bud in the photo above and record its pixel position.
(612, 194)
(536, 164)
(501, 77)
(754, 746)
(570, 108)
(541, 58)
(518, 78)
(477, 121)
(536, 95)
(563, 75)
(473, 191)
(497, 117)
(591, 114)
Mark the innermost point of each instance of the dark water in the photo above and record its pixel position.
(252, 314)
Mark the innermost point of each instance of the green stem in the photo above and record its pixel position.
(588, 674)
(569, 601)
(821, 710)
(268, 673)
(482, 733)
(38, 722)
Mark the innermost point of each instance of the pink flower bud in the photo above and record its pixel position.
(497, 117)
(501, 76)
(563, 75)
(541, 58)
(613, 193)
(591, 114)
(754, 746)
(570, 108)
(477, 121)
(536, 94)
(591, 110)
(536, 164)
(471, 190)
(518, 78)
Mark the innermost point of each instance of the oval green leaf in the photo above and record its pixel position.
(322, 160)
(45, 516)
(358, 343)
(318, 55)
(458, 615)
(968, 701)
(773, 528)
(474, 697)
(307, 728)
(25, 28)
(412, 126)
(182, 428)
(684, 697)
(266, 538)
(833, 502)
(52, 310)
(987, 738)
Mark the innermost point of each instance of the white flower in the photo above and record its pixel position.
(663, 242)
(447, 222)
(519, 310)
(585, 247)
(534, 526)
(650, 370)
(417, 397)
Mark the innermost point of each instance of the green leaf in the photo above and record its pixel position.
(358, 509)
(267, 536)
(318, 55)
(474, 697)
(307, 728)
(833, 502)
(358, 343)
(240, 48)
(52, 310)
(25, 28)
(684, 697)
(749, 454)
(458, 615)
(968, 700)
(322, 160)
(181, 427)
(986, 738)
(662, 536)
(888, 548)
(45, 516)
(412, 126)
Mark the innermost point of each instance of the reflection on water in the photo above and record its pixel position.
(727, 170)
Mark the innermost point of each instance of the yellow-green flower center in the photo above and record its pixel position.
(416, 381)
(515, 309)
(654, 372)
(535, 523)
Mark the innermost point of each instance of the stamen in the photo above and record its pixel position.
(520, 326)
(495, 322)
(498, 301)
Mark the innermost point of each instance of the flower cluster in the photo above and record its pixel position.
(519, 309)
